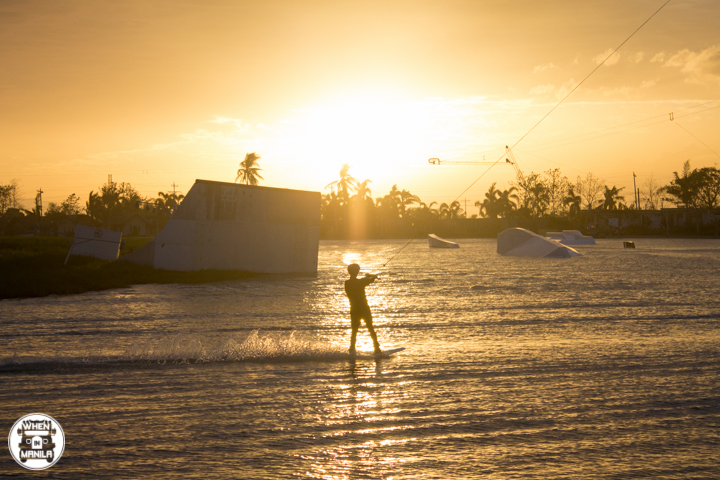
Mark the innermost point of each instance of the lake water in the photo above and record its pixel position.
(600, 366)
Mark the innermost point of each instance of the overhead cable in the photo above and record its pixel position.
(541, 120)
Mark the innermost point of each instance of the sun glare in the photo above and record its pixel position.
(379, 136)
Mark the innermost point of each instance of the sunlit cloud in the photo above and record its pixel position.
(697, 66)
(658, 58)
(542, 89)
(615, 58)
(565, 88)
(648, 83)
(623, 91)
(542, 68)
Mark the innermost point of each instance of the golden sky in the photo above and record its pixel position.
(156, 92)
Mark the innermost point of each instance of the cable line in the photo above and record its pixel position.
(509, 149)
(664, 115)
(590, 74)
(696, 138)
(529, 148)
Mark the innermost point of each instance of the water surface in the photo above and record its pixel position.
(600, 366)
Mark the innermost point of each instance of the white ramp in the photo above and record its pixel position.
(95, 242)
(571, 237)
(519, 242)
(436, 242)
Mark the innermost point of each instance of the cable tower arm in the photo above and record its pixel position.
(437, 161)
(511, 159)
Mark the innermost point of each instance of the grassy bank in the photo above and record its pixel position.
(33, 267)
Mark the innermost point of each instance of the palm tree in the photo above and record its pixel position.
(490, 207)
(454, 210)
(248, 171)
(406, 199)
(94, 207)
(539, 198)
(507, 201)
(346, 184)
(444, 210)
(573, 202)
(169, 201)
(612, 197)
(363, 192)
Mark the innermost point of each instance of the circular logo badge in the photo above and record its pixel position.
(36, 441)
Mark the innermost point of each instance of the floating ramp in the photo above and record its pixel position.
(518, 242)
(95, 242)
(571, 237)
(436, 242)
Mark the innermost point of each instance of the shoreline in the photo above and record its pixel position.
(33, 267)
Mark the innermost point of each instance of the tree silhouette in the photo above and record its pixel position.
(573, 202)
(589, 189)
(612, 198)
(708, 192)
(248, 171)
(489, 207)
(539, 199)
(406, 200)
(507, 201)
(168, 201)
(345, 185)
(363, 192)
(498, 202)
(455, 211)
(695, 188)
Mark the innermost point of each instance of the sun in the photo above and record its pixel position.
(379, 135)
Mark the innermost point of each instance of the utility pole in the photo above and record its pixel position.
(38, 205)
(635, 194)
(109, 178)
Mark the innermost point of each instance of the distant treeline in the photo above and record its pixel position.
(350, 211)
(112, 202)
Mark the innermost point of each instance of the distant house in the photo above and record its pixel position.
(666, 220)
(14, 222)
(65, 225)
(131, 225)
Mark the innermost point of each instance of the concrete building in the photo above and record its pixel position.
(226, 226)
